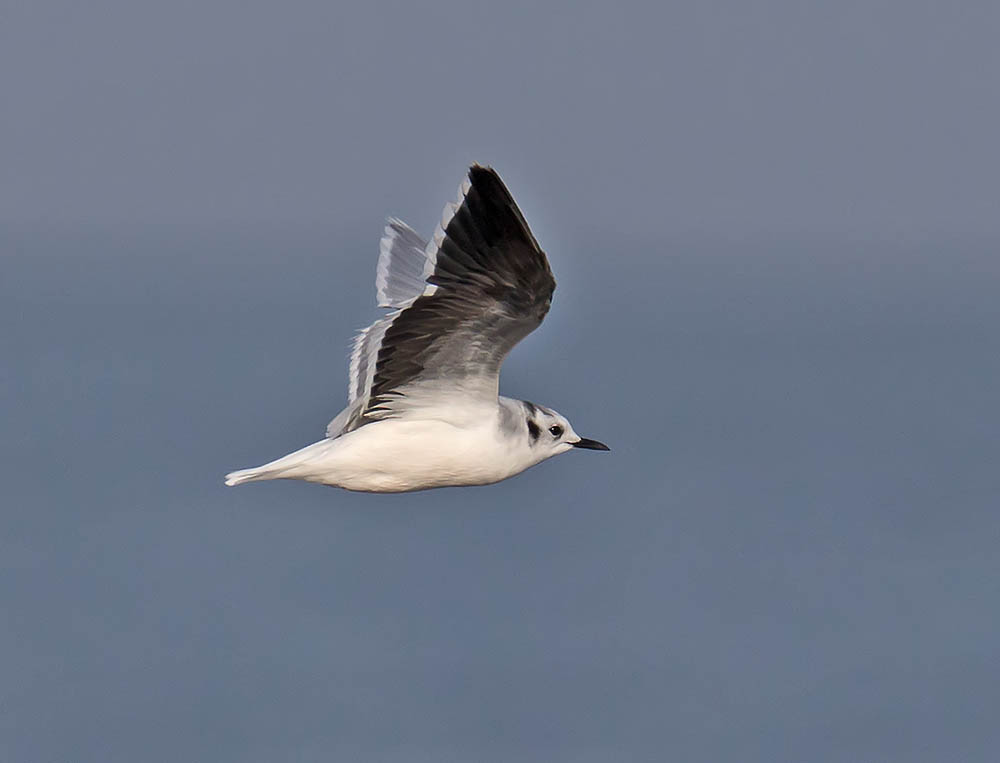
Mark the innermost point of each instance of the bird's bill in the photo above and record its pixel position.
(588, 444)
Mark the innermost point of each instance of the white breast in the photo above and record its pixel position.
(399, 454)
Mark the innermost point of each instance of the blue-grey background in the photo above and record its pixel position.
(775, 229)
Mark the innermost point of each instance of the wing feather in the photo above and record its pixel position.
(404, 262)
(484, 285)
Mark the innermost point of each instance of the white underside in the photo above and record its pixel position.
(398, 455)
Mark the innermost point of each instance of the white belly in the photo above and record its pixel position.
(400, 455)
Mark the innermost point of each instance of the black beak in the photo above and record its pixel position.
(587, 444)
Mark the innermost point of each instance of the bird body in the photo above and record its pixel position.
(423, 405)
(433, 449)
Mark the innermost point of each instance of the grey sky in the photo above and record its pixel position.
(854, 116)
(775, 236)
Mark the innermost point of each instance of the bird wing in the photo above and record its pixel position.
(461, 304)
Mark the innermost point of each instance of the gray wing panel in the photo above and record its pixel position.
(404, 263)
(340, 422)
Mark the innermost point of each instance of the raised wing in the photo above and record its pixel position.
(463, 302)
(404, 264)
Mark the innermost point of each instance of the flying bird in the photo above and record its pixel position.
(424, 408)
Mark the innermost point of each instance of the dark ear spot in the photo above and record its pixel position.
(533, 430)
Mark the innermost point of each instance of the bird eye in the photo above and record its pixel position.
(556, 431)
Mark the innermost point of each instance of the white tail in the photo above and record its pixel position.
(292, 466)
(247, 475)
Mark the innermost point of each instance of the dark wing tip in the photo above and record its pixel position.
(487, 182)
(484, 173)
(490, 206)
(490, 198)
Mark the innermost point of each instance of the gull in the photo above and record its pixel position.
(424, 409)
